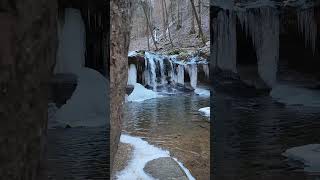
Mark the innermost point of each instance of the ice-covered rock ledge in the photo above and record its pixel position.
(142, 154)
(309, 155)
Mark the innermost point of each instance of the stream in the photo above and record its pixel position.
(251, 133)
(175, 124)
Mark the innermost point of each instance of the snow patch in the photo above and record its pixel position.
(88, 103)
(143, 152)
(292, 95)
(205, 111)
(140, 93)
(202, 92)
(307, 154)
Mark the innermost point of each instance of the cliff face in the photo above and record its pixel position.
(120, 37)
(27, 54)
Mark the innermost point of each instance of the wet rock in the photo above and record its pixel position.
(165, 168)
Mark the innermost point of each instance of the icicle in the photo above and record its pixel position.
(308, 27)
(205, 68)
(226, 41)
(71, 50)
(193, 72)
(262, 25)
(132, 75)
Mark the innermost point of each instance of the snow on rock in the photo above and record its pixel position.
(132, 53)
(140, 93)
(205, 111)
(202, 92)
(71, 49)
(291, 95)
(307, 154)
(88, 103)
(143, 152)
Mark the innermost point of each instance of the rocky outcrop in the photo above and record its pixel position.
(27, 54)
(120, 36)
(165, 168)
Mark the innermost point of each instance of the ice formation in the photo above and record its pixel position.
(205, 68)
(71, 50)
(291, 95)
(140, 93)
(226, 42)
(262, 25)
(143, 152)
(202, 92)
(193, 74)
(307, 154)
(88, 103)
(308, 27)
(132, 74)
(205, 111)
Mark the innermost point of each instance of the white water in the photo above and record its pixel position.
(132, 74)
(84, 110)
(308, 27)
(309, 155)
(151, 70)
(71, 50)
(140, 93)
(143, 152)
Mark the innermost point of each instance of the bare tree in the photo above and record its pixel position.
(167, 25)
(198, 22)
(145, 10)
(193, 29)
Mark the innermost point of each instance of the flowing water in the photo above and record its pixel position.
(250, 133)
(174, 123)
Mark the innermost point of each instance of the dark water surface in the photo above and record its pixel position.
(78, 153)
(174, 123)
(250, 133)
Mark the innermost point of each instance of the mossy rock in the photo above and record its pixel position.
(177, 52)
(141, 52)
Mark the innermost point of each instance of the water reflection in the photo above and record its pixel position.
(250, 133)
(174, 123)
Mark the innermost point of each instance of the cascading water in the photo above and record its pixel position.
(132, 75)
(162, 72)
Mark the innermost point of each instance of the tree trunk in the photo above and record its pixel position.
(198, 22)
(145, 10)
(163, 19)
(167, 25)
(193, 29)
(199, 10)
(120, 39)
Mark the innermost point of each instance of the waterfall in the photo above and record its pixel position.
(151, 70)
(163, 72)
(132, 75)
(71, 42)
